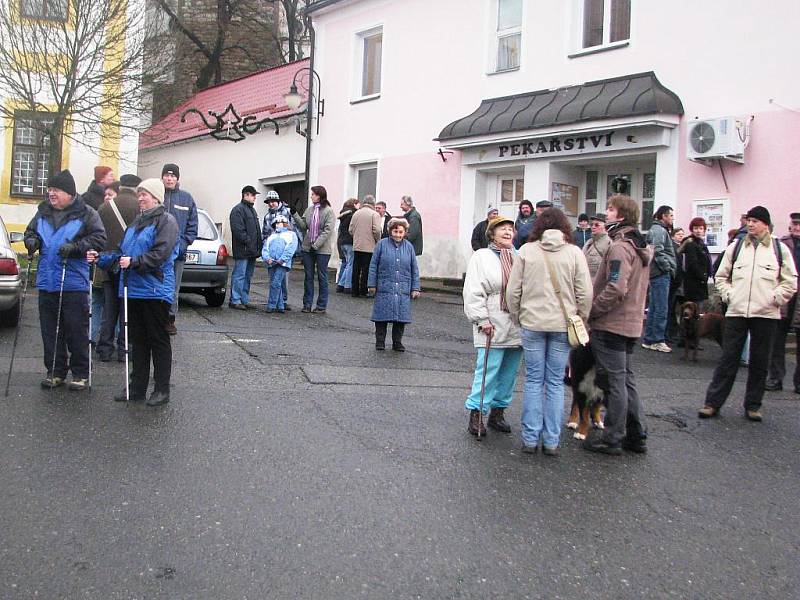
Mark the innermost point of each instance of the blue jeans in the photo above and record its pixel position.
(313, 261)
(501, 376)
(346, 270)
(98, 301)
(240, 280)
(546, 356)
(277, 279)
(658, 296)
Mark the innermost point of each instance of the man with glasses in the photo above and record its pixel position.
(596, 248)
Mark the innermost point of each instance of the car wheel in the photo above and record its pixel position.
(10, 317)
(214, 298)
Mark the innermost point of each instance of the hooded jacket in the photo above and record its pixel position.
(152, 243)
(663, 262)
(620, 286)
(481, 294)
(180, 204)
(694, 263)
(531, 296)
(76, 223)
(245, 232)
(345, 238)
(753, 286)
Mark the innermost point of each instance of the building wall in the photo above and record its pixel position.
(214, 171)
(434, 70)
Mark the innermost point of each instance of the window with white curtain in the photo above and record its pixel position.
(509, 34)
(605, 22)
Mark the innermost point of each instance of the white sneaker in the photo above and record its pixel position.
(661, 347)
(648, 346)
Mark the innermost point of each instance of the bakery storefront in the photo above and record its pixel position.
(575, 146)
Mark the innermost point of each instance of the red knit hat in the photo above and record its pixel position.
(100, 172)
(697, 222)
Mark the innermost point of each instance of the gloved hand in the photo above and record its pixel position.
(32, 244)
(68, 250)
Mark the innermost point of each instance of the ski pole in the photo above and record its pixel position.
(91, 281)
(19, 325)
(125, 328)
(483, 381)
(58, 324)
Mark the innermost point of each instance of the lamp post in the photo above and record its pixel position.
(293, 100)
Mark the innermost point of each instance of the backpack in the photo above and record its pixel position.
(776, 248)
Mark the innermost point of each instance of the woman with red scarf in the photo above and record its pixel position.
(486, 308)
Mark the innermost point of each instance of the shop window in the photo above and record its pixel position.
(648, 199)
(30, 162)
(366, 180)
(605, 22)
(508, 34)
(590, 203)
(52, 10)
(370, 62)
(512, 191)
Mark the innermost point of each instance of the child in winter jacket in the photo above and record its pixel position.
(277, 255)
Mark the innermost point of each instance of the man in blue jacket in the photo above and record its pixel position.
(62, 230)
(180, 205)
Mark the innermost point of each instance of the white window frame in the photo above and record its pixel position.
(358, 63)
(497, 35)
(353, 172)
(577, 45)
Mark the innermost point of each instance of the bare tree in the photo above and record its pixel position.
(78, 61)
(293, 40)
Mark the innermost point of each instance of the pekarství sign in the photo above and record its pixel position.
(627, 139)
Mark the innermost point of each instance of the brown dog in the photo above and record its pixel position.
(695, 326)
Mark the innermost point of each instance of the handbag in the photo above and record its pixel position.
(577, 334)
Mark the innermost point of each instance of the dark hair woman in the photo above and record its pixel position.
(549, 281)
(317, 223)
(344, 243)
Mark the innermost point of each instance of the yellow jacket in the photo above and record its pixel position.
(752, 286)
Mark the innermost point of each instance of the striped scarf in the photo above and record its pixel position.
(313, 226)
(506, 257)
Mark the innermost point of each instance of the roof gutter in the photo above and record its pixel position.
(319, 5)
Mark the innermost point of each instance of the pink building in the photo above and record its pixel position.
(693, 104)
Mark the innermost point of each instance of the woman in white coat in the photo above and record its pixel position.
(486, 308)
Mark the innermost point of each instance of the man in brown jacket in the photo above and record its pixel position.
(365, 227)
(620, 290)
(116, 215)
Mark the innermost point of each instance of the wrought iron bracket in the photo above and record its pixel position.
(441, 154)
(229, 126)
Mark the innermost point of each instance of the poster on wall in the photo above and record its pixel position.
(565, 197)
(716, 213)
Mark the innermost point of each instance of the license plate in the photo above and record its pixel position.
(192, 258)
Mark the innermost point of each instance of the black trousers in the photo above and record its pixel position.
(72, 347)
(360, 272)
(734, 336)
(397, 331)
(112, 307)
(147, 322)
(777, 361)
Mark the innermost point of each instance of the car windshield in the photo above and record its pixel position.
(206, 230)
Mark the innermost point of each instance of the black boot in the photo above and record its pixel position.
(157, 398)
(134, 396)
(397, 336)
(475, 423)
(497, 422)
(380, 335)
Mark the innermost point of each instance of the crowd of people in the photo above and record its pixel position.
(530, 297)
(531, 286)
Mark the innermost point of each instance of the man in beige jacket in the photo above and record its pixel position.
(365, 227)
(755, 283)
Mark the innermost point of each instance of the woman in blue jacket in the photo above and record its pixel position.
(394, 279)
(146, 256)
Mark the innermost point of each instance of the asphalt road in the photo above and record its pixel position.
(294, 461)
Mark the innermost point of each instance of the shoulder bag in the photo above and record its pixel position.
(577, 335)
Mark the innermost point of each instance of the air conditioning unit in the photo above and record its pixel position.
(714, 139)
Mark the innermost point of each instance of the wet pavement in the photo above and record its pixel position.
(295, 461)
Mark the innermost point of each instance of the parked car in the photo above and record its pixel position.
(206, 268)
(10, 278)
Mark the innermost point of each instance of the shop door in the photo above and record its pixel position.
(510, 192)
(638, 182)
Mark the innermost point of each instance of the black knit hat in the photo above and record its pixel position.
(170, 168)
(129, 180)
(760, 213)
(63, 181)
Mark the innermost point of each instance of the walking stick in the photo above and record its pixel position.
(19, 326)
(125, 327)
(58, 322)
(91, 281)
(483, 381)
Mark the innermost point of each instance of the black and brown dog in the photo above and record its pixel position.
(588, 392)
(695, 326)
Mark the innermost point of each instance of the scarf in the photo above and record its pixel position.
(506, 256)
(313, 226)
